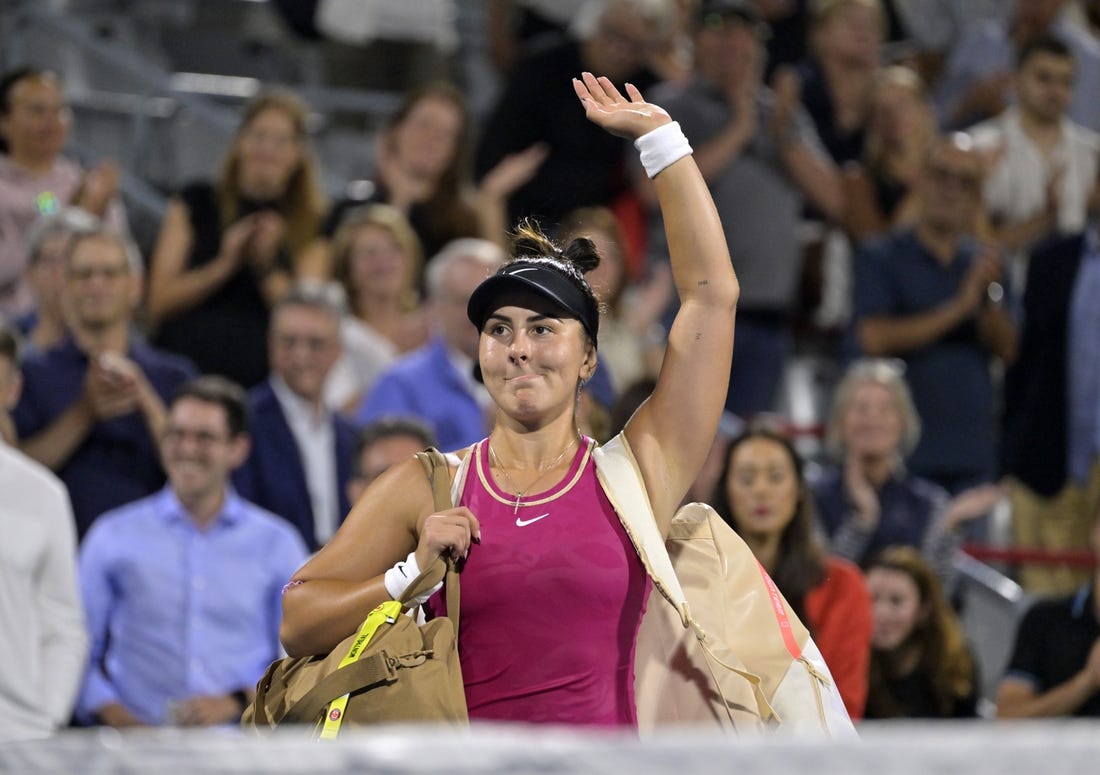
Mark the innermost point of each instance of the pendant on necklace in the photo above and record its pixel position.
(519, 495)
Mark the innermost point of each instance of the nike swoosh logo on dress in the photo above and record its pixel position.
(520, 522)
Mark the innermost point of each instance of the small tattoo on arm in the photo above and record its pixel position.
(704, 282)
(698, 335)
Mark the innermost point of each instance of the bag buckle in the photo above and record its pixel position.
(415, 659)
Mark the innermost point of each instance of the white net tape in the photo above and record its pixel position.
(973, 748)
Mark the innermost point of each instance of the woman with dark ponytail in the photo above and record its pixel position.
(553, 591)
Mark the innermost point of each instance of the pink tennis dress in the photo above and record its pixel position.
(551, 602)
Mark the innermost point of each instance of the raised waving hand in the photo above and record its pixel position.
(606, 107)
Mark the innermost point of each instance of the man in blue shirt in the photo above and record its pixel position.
(182, 589)
(93, 405)
(931, 296)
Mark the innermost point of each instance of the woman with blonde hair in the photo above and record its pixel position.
(921, 665)
(228, 251)
(377, 261)
(868, 500)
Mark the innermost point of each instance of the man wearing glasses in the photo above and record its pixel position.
(92, 407)
(182, 589)
(301, 458)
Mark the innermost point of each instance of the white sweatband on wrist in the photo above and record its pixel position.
(400, 576)
(661, 147)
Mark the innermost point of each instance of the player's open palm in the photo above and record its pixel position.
(630, 116)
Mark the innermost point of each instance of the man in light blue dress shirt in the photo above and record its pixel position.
(182, 588)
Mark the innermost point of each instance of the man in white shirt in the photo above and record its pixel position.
(43, 645)
(301, 450)
(1045, 176)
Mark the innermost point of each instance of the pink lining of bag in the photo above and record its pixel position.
(780, 614)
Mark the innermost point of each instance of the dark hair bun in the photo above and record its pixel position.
(582, 253)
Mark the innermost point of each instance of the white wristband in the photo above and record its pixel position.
(400, 576)
(661, 147)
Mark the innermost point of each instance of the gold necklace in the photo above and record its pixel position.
(511, 482)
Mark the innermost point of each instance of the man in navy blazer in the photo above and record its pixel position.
(1051, 441)
(301, 450)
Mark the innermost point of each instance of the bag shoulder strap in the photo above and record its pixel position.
(439, 474)
(625, 488)
(462, 469)
(622, 482)
(362, 673)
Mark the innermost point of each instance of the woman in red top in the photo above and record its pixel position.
(764, 497)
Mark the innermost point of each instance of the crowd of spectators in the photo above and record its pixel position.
(195, 420)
